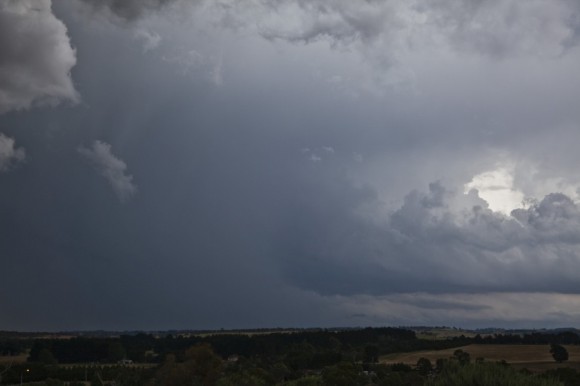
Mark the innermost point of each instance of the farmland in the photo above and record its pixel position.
(532, 357)
(8, 359)
(288, 357)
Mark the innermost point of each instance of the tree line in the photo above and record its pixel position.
(322, 345)
(297, 358)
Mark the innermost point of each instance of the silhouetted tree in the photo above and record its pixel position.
(116, 352)
(559, 353)
(424, 366)
(46, 357)
(199, 367)
(371, 353)
(461, 356)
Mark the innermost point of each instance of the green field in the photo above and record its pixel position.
(532, 357)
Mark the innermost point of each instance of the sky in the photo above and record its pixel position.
(196, 164)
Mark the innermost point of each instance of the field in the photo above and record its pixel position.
(532, 357)
(6, 360)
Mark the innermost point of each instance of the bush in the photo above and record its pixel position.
(559, 353)
(424, 366)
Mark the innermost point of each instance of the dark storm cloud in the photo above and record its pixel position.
(279, 184)
(131, 9)
(36, 58)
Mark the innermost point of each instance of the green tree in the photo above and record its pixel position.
(309, 380)
(424, 366)
(559, 353)
(342, 374)
(45, 357)
(299, 356)
(279, 371)
(116, 352)
(371, 353)
(461, 356)
(53, 382)
(201, 366)
(391, 379)
(244, 378)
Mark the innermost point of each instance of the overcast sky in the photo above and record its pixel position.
(193, 164)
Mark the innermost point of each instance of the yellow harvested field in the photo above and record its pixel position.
(514, 354)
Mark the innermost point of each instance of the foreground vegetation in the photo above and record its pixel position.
(492, 374)
(372, 356)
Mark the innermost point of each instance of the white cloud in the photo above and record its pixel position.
(534, 248)
(36, 56)
(317, 154)
(9, 154)
(497, 188)
(149, 40)
(442, 241)
(112, 168)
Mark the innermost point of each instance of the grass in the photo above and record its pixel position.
(532, 357)
(454, 374)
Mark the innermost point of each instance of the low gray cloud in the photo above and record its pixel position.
(9, 153)
(129, 9)
(340, 21)
(37, 56)
(490, 28)
(475, 310)
(507, 28)
(112, 168)
(441, 241)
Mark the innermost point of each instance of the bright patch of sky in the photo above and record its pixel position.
(497, 188)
